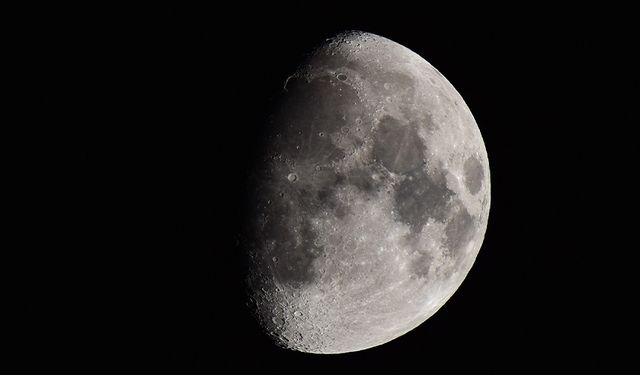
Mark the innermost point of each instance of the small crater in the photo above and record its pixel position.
(292, 177)
(275, 259)
(321, 134)
(297, 314)
(342, 77)
(278, 321)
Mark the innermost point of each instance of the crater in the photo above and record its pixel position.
(473, 175)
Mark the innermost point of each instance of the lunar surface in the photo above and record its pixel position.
(369, 202)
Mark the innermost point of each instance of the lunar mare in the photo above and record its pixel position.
(369, 202)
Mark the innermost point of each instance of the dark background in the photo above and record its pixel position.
(160, 111)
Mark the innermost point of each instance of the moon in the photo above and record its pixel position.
(369, 202)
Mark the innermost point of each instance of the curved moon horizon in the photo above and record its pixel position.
(369, 201)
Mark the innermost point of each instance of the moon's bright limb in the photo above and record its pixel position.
(371, 198)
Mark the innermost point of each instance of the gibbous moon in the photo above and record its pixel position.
(370, 199)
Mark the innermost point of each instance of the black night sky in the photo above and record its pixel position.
(170, 104)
